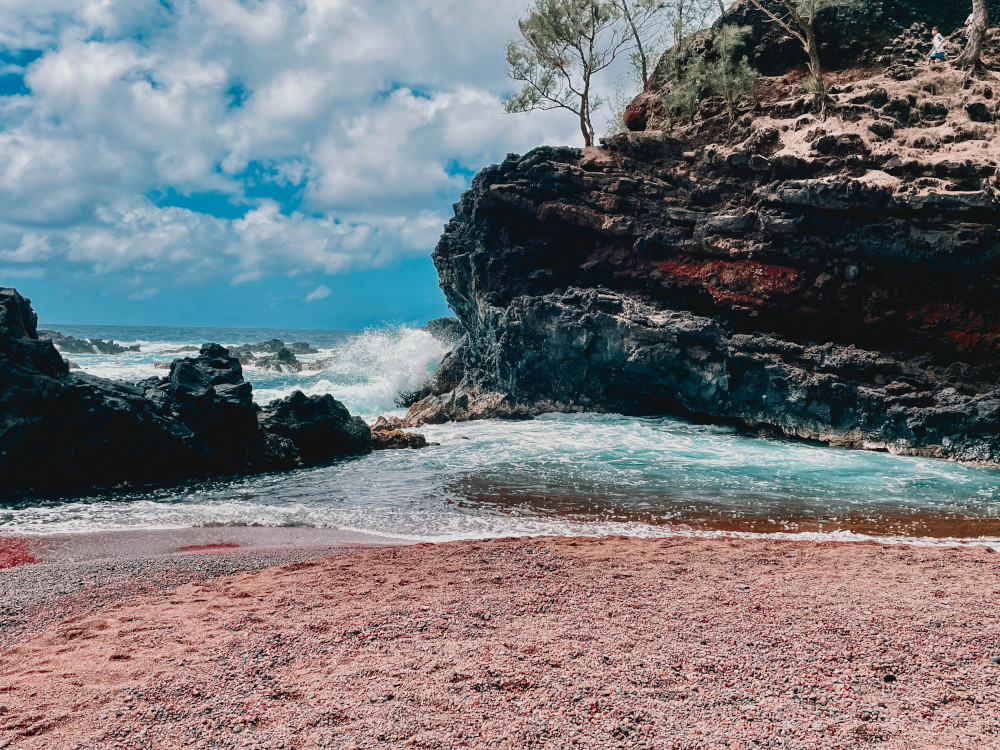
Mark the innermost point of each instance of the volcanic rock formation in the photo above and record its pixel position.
(834, 279)
(63, 432)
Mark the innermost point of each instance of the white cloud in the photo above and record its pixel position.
(345, 128)
(320, 292)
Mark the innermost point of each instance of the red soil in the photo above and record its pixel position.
(218, 547)
(741, 282)
(562, 643)
(14, 552)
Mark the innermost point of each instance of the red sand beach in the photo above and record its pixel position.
(612, 643)
(14, 552)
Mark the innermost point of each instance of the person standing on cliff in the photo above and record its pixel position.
(938, 52)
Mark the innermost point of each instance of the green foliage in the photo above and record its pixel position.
(684, 92)
(725, 74)
(619, 103)
(643, 20)
(731, 77)
(815, 86)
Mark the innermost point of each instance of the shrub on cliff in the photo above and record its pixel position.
(725, 74)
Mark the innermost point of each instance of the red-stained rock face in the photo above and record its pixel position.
(735, 282)
(636, 116)
(14, 552)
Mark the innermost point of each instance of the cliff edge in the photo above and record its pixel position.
(830, 279)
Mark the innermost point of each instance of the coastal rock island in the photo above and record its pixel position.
(67, 432)
(828, 278)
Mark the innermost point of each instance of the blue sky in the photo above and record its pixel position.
(286, 163)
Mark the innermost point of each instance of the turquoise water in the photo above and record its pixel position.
(567, 474)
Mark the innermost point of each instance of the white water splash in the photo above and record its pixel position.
(367, 372)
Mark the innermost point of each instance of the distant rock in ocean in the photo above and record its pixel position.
(66, 432)
(824, 279)
(70, 345)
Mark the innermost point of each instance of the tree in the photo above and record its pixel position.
(977, 36)
(643, 20)
(798, 18)
(684, 17)
(682, 96)
(723, 73)
(561, 46)
(731, 77)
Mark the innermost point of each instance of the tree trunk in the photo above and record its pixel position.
(638, 43)
(815, 69)
(585, 127)
(977, 36)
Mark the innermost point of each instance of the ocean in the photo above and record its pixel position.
(581, 474)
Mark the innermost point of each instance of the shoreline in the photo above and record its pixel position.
(523, 642)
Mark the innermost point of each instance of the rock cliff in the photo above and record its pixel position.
(63, 432)
(833, 279)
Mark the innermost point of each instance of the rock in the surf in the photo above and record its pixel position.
(390, 434)
(319, 427)
(66, 432)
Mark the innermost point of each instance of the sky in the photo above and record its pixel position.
(283, 163)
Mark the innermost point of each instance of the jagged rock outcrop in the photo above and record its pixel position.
(446, 330)
(318, 426)
(283, 361)
(64, 432)
(807, 278)
(272, 346)
(71, 345)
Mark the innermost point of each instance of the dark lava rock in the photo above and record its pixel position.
(71, 345)
(68, 432)
(273, 346)
(979, 112)
(900, 110)
(283, 361)
(446, 330)
(820, 307)
(882, 129)
(318, 426)
(840, 145)
(934, 112)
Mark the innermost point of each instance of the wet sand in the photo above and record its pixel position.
(520, 643)
(672, 514)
